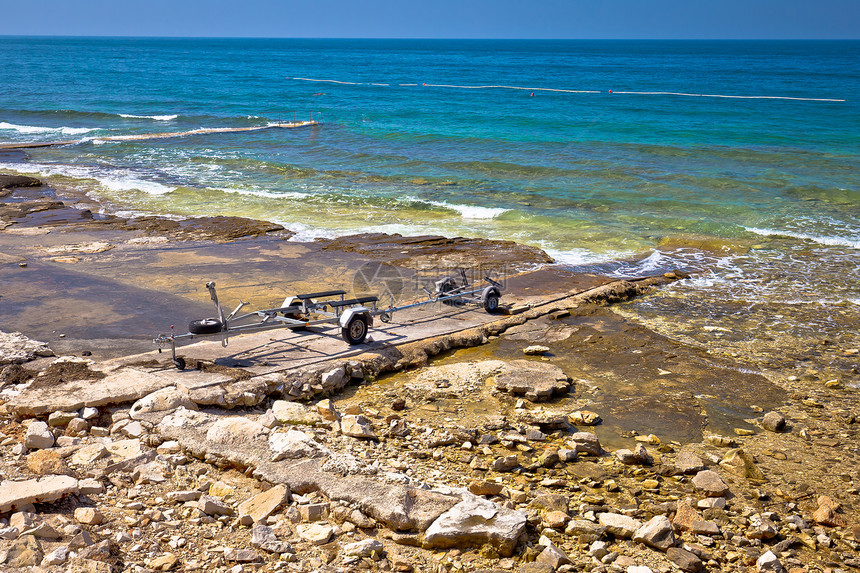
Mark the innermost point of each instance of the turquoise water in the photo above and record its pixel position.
(759, 194)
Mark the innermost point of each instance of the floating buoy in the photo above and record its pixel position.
(610, 91)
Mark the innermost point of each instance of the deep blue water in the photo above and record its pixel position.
(760, 194)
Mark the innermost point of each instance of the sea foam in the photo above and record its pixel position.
(155, 117)
(837, 241)
(471, 211)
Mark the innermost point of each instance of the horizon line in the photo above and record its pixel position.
(158, 37)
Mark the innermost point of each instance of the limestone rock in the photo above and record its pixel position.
(294, 413)
(709, 483)
(236, 431)
(583, 527)
(327, 411)
(56, 557)
(740, 463)
(15, 494)
(769, 562)
(637, 456)
(183, 496)
(89, 516)
(486, 488)
(164, 400)
(164, 562)
(505, 464)
(48, 462)
(38, 436)
(773, 422)
(689, 463)
(15, 348)
(61, 419)
(89, 454)
(685, 560)
(619, 525)
(586, 443)
(242, 555)
(476, 521)
(77, 427)
(553, 556)
(25, 552)
(685, 516)
(334, 379)
(263, 537)
(364, 548)
(536, 381)
(316, 533)
(294, 444)
(535, 350)
(357, 426)
(584, 418)
(264, 504)
(657, 533)
(213, 506)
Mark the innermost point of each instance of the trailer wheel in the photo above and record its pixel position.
(205, 326)
(179, 362)
(385, 317)
(491, 302)
(355, 330)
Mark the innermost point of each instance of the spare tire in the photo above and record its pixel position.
(205, 326)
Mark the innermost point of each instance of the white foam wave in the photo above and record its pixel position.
(111, 179)
(837, 241)
(579, 257)
(155, 117)
(471, 211)
(262, 193)
(25, 128)
(32, 129)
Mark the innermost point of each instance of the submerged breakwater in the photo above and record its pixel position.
(737, 161)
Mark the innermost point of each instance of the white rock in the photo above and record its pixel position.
(364, 548)
(619, 525)
(316, 533)
(473, 520)
(769, 562)
(89, 413)
(164, 400)
(357, 426)
(294, 413)
(294, 444)
(236, 431)
(56, 557)
(15, 494)
(334, 379)
(38, 436)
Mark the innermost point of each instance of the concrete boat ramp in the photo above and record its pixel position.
(302, 365)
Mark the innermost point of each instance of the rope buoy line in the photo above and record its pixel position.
(559, 90)
(728, 96)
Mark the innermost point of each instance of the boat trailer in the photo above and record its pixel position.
(354, 316)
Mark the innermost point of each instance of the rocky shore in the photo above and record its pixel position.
(514, 453)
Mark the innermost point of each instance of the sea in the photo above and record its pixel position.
(735, 161)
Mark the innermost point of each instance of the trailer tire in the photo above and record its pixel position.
(205, 326)
(491, 302)
(355, 330)
(179, 362)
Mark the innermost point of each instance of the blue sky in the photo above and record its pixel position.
(694, 19)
